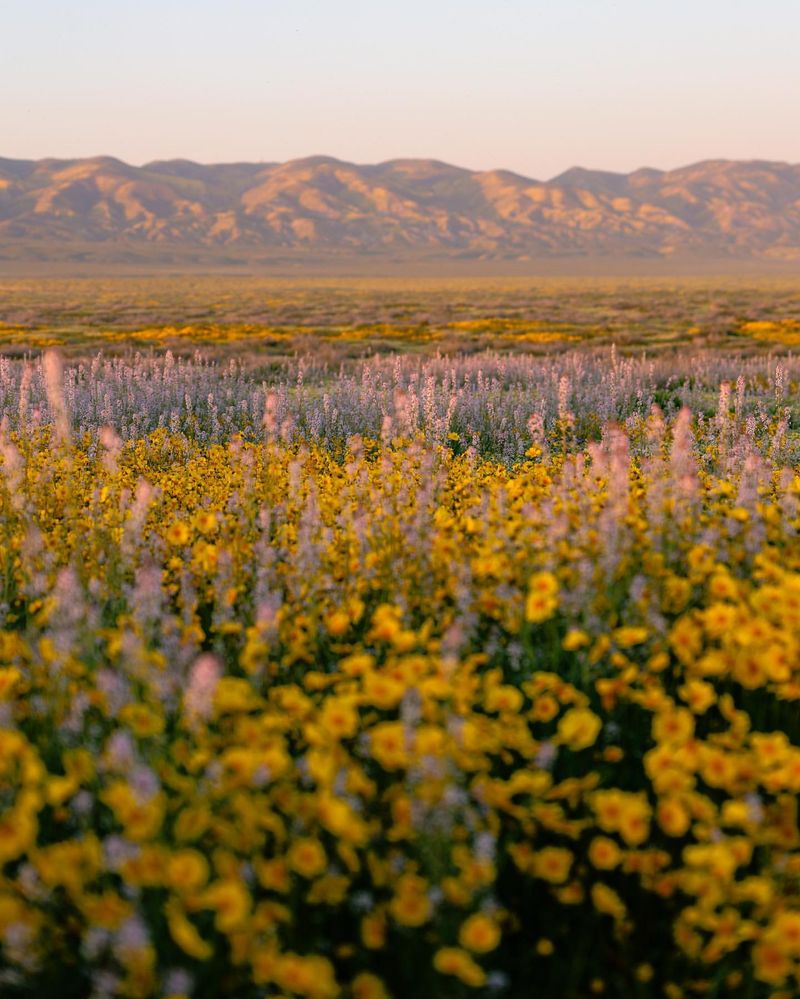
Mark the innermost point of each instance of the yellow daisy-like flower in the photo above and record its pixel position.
(178, 533)
(479, 934)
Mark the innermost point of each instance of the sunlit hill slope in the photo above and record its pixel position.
(410, 207)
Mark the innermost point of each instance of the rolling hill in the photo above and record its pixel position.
(106, 208)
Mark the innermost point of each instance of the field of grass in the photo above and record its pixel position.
(348, 319)
(440, 641)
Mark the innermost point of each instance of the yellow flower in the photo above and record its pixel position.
(607, 901)
(542, 599)
(784, 933)
(141, 720)
(232, 694)
(18, 830)
(457, 962)
(717, 859)
(382, 691)
(629, 636)
(673, 816)
(410, 905)
(388, 745)
(307, 857)
(721, 586)
(719, 618)
(338, 718)
(604, 853)
(479, 934)
(273, 874)
(187, 870)
(686, 639)
(410, 910)
(205, 556)
(230, 901)
(264, 960)
(141, 819)
(698, 694)
(552, 863)
(178, 533)
(339, 819)
(574, 640)
(543, 582)
(624, 812)
(676, 594)
(373, 930)
(504, 698)
(368, 986)
(9, 678)
(634, 826)
(206, 522)
(770, 963)
(771, 748)
(337, 623)
(717, 768)
(578, 728)
(310, 976)
(385, 623)
(357, 665)
(674, 726)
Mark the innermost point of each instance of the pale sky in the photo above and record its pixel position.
(534, 86)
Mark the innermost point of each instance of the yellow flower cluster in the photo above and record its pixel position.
(407, 722)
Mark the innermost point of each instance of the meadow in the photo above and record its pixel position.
(341, 318)
(407, 641)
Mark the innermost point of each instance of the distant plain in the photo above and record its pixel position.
(345, 317)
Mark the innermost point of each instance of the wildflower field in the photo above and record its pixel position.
(410, 675)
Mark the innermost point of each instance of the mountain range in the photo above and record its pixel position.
(53, 208)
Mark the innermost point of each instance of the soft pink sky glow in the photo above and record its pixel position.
(529, 85)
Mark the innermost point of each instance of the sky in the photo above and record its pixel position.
(535, 86)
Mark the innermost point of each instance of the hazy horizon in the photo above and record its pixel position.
(530, 87)
(322, 155)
